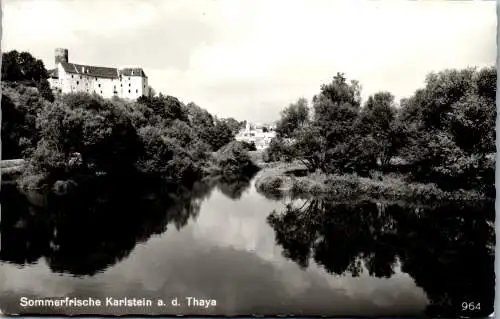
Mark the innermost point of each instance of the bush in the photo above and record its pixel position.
(269, 184)
(278, 150)
(112, 138)
(97, 130)
(164, 156)
(20, 108)
(233, 160)
(249, 146)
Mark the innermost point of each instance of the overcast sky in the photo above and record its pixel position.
(250, 58)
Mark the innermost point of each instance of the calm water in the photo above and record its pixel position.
(249, 253)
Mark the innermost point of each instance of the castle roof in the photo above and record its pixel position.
(133, 72)
(99, 71)
(90, 70)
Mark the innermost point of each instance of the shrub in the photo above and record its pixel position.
(164, 156)
(269, 183)
(233, 160)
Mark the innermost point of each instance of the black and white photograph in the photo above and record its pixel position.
(330, 158)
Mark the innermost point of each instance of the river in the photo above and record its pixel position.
(243, 253)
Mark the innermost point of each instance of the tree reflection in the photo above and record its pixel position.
(446, 249)
(231, 185)
(89, 230)
(233, 189)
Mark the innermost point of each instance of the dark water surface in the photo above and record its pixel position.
(248, 253)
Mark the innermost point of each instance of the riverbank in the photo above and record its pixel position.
(292, 178)
(231, 163)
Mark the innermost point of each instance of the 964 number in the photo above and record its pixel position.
(471, 306)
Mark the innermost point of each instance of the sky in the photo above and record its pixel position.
(248, 59)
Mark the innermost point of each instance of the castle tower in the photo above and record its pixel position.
(61, 55)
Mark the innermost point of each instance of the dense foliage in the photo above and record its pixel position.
(443, 134)
(23, 67)
(20, 107)
(233, 158)
(80, 135)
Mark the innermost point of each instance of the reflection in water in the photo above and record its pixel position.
(87, 231)
(447, 250)
(112, 239)
(231, 187)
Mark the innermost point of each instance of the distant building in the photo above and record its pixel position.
(127, 83)
(255, 134)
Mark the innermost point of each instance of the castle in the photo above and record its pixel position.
(127, 83)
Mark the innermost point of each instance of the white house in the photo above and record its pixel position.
(256, 135)
(127, 83)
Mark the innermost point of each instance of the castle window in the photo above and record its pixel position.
(129, 84)
(71, 75)
(136, 91)
(96, 78)
(101, 92)
(80, 77)
(128, 91)
(129, 78)
(99, 85)
(77, 82)
(121, 85)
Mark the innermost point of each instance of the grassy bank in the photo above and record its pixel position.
(280, 177)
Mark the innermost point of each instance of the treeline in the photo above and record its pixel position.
(76, 135)
(22, 67)
(443, 134)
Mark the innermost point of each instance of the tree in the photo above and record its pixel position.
(336, 110)
(325, 140)
(280, 149)
(234, 162)
(377, 121)
(215, 132)
(168, 108)
(455, 115)
(233, 124)
(95, 129)
(164, 156)
(292, 118)
(23, 67)
(342, 92)
(202, 121)
(182, 132)
(220, 135)
(20, 108)
(11, 71)
(310, 147)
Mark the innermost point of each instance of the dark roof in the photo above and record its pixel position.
(99, 71)
(133, 72)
